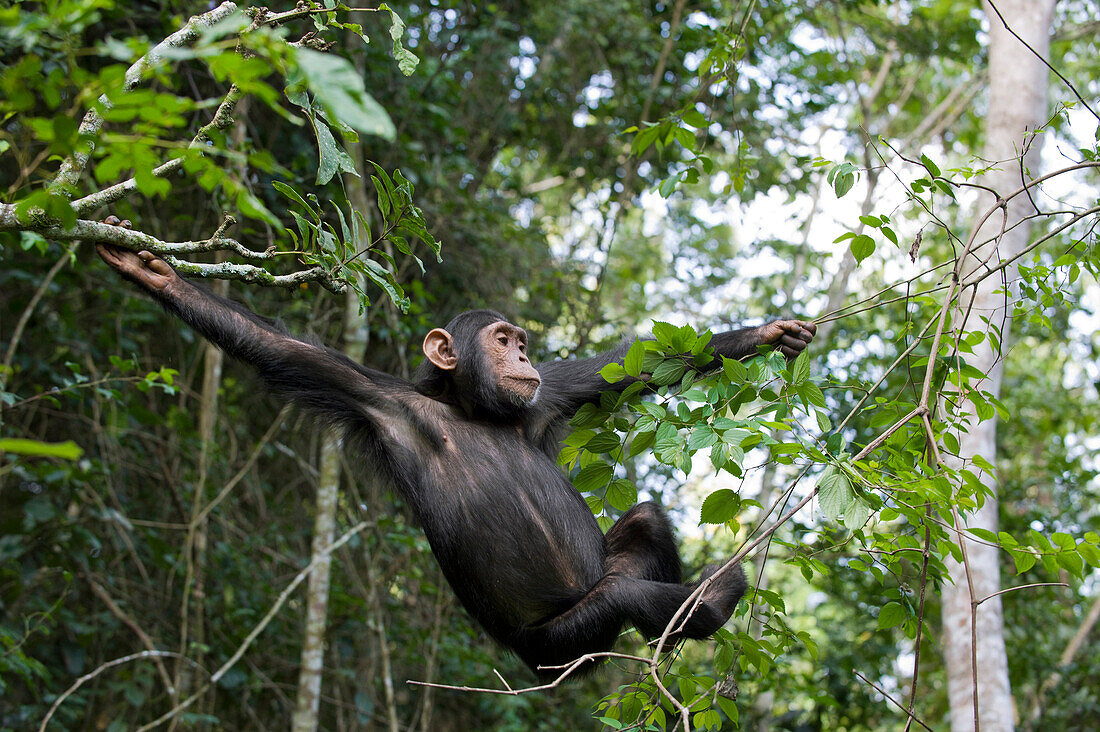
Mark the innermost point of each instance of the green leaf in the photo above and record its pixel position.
(339, 88)
(1024, 561)
(862, 247)
(632, 363)
(685, 137)
(67, 450)
(644, 139)
(664, 333)
(613, 373)
(800, 369)
(857, 513)
(622, 494)
(843, 183)
(719, 507)
(293, 195)
(254, 208)
(984, 534)
(890, 615)
(668, 185)
(1090, 554)
(406, 59)
(694, 394)
(1072, 562)
(641, 442)
(702, 436)
(668, 443)
(592, 477)
(835, 493)
(668, 372)
(734, 370)
(932, 168)
(331, 157)
(694, 118)
(603, 442)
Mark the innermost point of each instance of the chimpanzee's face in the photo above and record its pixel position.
(505, 351)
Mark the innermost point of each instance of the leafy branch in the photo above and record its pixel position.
(240, 47)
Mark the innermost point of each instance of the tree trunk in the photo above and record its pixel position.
(313, 644)
(1017, 105)
(324, 526)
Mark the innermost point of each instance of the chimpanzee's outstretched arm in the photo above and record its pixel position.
(568, 384)
(319, 378)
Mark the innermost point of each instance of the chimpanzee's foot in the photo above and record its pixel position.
(725, 590)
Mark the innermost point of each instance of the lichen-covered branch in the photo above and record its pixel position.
(256, 275)
(93, 231)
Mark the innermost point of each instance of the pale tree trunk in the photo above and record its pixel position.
(324, 525)
(313, 644)
(1017, 105)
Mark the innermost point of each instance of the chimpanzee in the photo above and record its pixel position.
(471, 445)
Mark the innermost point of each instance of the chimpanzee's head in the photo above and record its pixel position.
(480, 361)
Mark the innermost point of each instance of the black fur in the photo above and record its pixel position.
(515, 540)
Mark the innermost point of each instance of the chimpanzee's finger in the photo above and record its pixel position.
(155, 264)
(792, 329)
(791, 343)
(803, 330)
(112, 220)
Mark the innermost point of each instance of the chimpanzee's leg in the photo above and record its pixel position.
(642, 586)
(641, 545)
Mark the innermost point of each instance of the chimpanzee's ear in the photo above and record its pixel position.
(439, 348)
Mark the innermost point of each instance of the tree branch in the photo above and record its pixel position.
(85, 230)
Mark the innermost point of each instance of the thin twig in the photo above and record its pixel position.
(25, 316)
(890, 699)
(1044, 61)
(567, 671)
(1021, 587)
(232, 482)
(255, 632)
(146, 641)
(926, 554)
(103, 667)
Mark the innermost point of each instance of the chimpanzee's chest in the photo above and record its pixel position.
(500, 513)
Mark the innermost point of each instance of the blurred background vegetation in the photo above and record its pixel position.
(515, 130)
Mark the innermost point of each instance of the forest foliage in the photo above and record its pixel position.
(658, 170)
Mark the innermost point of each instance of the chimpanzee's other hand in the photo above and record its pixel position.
(790, 337)
(143, 268)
